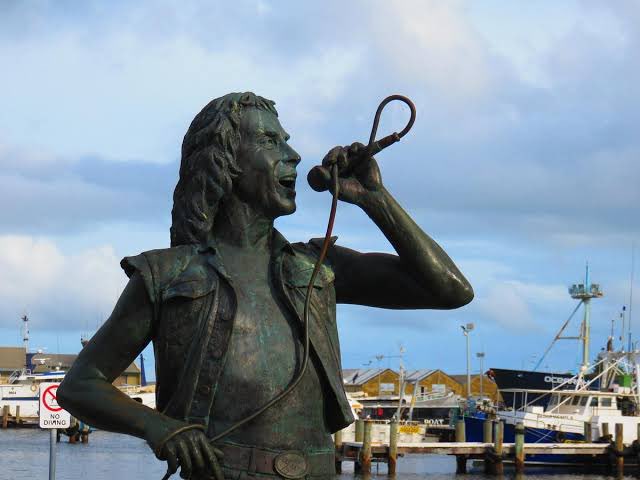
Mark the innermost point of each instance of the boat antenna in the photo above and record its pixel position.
(633, 251)
(25, 338)
(583, 292)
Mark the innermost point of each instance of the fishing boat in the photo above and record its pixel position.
(581, 406)
(511, 383)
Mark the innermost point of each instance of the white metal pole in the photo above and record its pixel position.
(52, 453)
(481, 375)
(468, 368)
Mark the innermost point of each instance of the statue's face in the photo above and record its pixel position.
(268, 163)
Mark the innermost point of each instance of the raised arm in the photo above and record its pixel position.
(421, 276)
(88, 393)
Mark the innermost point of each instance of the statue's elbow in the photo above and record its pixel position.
(466, 294)
(460, 296)
(64, 394)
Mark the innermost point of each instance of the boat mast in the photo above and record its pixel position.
(25, 338)
(585, 292)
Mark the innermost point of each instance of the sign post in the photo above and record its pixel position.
(53, 417)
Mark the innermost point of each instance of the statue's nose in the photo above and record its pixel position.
(293, 156)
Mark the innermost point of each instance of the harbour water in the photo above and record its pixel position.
(24, 454)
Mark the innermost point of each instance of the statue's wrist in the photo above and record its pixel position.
(374, 200)
(159, 429)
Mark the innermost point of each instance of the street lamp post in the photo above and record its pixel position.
(466, 329)
(480, 355)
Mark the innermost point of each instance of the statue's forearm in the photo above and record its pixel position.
(421, 256)
(97, 402)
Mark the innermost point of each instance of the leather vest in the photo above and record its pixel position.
(194, 309)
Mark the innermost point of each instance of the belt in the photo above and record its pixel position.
(292, 464)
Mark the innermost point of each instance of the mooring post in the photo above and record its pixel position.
(487, 431)
(519, 448)
(461, 459)
(619, 449)
(359, 429)
(498, 435)
(18, 415)
(605, 430)
(638, 442)
(5, 416)
(588, 435)
(365, 452)
(487, 437)
(393, 446)
(337, 440)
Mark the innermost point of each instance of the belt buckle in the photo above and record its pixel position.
(291, 465)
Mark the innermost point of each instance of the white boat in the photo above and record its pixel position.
(23, 390)
(568, 412)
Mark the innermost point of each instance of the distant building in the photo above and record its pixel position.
(14, 358)
(385, 382)
(489, 387)
(11, 359)
(431, 381)
(371, 382)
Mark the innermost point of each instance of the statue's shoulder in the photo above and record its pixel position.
(298, 268)
(185, 271)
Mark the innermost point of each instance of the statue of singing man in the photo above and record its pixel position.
(223, 306)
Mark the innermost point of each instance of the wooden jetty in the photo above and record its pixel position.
(15, 419)
(607, 453)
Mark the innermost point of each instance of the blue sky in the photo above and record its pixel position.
(523, 162)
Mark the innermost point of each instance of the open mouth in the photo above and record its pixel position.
(288, 182)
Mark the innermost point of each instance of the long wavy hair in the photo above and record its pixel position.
(208, 165)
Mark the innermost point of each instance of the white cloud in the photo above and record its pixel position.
(57, 290)
(125, 95)
(434, 43)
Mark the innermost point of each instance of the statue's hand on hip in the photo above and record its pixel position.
(187, 448)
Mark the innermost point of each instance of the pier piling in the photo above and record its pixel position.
(5, 416)
(588, 436)
(337, 439)
(359, 429)
(487, 431)
(519, 448)
(605, 430)
(498, 435)
(461, 460)
(619, 448)
(393, 447)
(18, 420)
(365, 453)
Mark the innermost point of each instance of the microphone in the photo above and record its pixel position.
(319, 178)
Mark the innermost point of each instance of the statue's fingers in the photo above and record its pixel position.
(195, 448)
(186, 466)
(212, 455)
(341, 159)
(355, 148)
(217, 452)
(331, 157)
(171, 458)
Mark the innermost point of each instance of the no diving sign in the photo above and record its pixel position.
(51, 414)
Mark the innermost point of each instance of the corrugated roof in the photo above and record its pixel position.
(12, 358)
(417, 375)
(462, 379)
(64, 362)
(359, 376)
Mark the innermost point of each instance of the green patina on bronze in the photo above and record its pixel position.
(223, 306)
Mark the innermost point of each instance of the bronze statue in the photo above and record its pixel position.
(223, 306)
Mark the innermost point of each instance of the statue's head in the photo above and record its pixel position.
(234, 146)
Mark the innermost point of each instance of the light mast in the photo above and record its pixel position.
(25, 338)
(585, 292)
